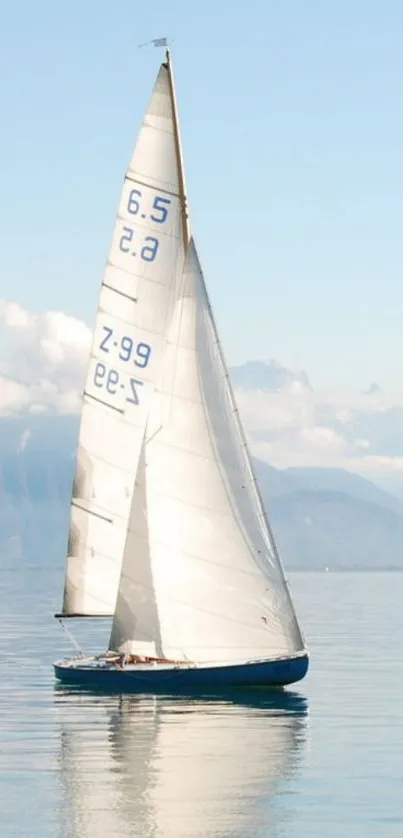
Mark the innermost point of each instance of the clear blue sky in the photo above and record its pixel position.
(292, 122)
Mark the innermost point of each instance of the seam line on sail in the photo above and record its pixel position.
(132, 274)
(159, 128)
(122, 293)
(127, 421)
(126, 322)
(98, 458)
(150, 186)
(186, 502)
(189, 452)
(251, 574)
(273, 623)
(112, 559)
(105, 404)
(91, 512)
(167, 235)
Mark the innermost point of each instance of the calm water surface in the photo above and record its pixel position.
(325, 761)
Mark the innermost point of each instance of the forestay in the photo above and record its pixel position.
(214, 589)
(146, 255)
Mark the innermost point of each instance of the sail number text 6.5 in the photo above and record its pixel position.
(159, 214)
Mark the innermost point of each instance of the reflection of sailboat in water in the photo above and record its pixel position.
(159, 768)
(95, 791)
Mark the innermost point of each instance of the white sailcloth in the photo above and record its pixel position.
(146, 256)
(214, 590)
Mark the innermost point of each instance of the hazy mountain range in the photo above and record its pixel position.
(321, 517)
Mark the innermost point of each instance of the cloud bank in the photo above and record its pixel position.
(361, 432)
(42, 360)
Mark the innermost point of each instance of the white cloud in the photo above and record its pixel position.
(42, 360)
(322, 429)
(263, 411)
(14, 316)
(322, 439)
(376, 464)
(315, 446)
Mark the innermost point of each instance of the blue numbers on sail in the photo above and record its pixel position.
(126, 348)
(112, 381)
(159, 210)
(133, 242)
(106, 378)
(147, 248)
(122, 349)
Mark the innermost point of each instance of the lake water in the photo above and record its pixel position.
(326, 761)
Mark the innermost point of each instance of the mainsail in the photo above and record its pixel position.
(201, 576)
(138, 291)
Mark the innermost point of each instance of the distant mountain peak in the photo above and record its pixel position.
(373, 390)
(269, 376)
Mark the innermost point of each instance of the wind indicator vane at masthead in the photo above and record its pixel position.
(156, 42)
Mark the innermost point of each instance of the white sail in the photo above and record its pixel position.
(216, 591)
(146, 256)
(135, 627)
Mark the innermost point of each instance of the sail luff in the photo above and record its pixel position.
(179, 153)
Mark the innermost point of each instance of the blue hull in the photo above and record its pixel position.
(275, 673)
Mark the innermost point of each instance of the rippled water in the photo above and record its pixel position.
(326, 760)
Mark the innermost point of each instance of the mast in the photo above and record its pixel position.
(179, 154)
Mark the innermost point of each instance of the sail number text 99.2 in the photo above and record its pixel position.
(111, 380)
(158, 214)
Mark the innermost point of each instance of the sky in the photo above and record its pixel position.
(292, 127)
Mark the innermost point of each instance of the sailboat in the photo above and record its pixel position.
(168, 533)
